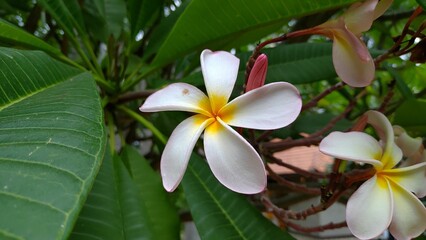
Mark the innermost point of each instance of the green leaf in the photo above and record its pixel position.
(422, 3)
(140, 13)
(105, 18)
(221, 24)
(220, 213)
(66, 13)
(14, 36)
(400, 83)
(112, 210)
(294, 63)
(410, 115)
(51, 144)
(162, 217)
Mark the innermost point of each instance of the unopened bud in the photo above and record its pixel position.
(257, 75)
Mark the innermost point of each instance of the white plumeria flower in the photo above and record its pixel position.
(233, 161)
(386, 200)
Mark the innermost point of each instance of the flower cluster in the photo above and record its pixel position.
(388, 199)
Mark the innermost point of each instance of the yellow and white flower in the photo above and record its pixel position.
(233, 161)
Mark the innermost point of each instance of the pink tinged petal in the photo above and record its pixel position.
(412, 178)
(409, 215)
(381, 8)
(409, 145)
(369, 209)
(351, 59)
(359, 17)
(220, 71)
(233, 160)
(177, 97)
(352, 146)
(272, 106)
(392, 153)
(257, 75)
(178, 150)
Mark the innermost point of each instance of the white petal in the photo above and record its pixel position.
(220, 71)
(178, 150)
(233, 160)
(409, 145)
(412, 178)
(409, 216)
(272, 106)
(352, 146)
(351, 59)
(177, 97)
(369, 209)
(392, 153)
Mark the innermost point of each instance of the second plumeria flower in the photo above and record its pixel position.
(388, 199)
(233, 161)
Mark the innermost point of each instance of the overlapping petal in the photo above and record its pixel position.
(409, 214)
(360, 16)
(220, 71)
(233, 161)
(411, 178)
(369, 209)
(177, 152)
(392, 154)
(177, 97)
(272, 106)
(409, 145)
(352, 146)
(381, 8)
(351, 59)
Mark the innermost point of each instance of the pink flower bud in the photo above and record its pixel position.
(257, 75)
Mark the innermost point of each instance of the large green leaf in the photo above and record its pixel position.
(66, 13)
(220, 213)
(51, 144)
(105, 18)
(294, 63)
(222, 24)
(14, 36)
(162, 217)
(113, 209)
(140, 13)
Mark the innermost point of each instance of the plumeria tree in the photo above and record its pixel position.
(128, 119)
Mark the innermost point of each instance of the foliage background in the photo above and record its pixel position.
(78, 161)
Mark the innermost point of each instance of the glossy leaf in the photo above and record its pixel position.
(161, 216)
(202, 25)
(411, 116)
(140, 13)
(220, 213)
(51, 144)
(113, 209)
(105, 18)
(295, 63)
(15, 36)
(67, 13)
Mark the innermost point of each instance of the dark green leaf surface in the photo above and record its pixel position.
(295, 63)
(51, 144)
(161, 217)
(220, 213)
(14, 36)
(411, 116)
(221, 24)
(113, 209)
(105, 18)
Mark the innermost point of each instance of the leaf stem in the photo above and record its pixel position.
(145, 123)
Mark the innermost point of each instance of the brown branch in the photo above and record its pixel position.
(297, 170)
(291, 185)
(286, 144)
(316, 99)
(322, 228)
(128, 97)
